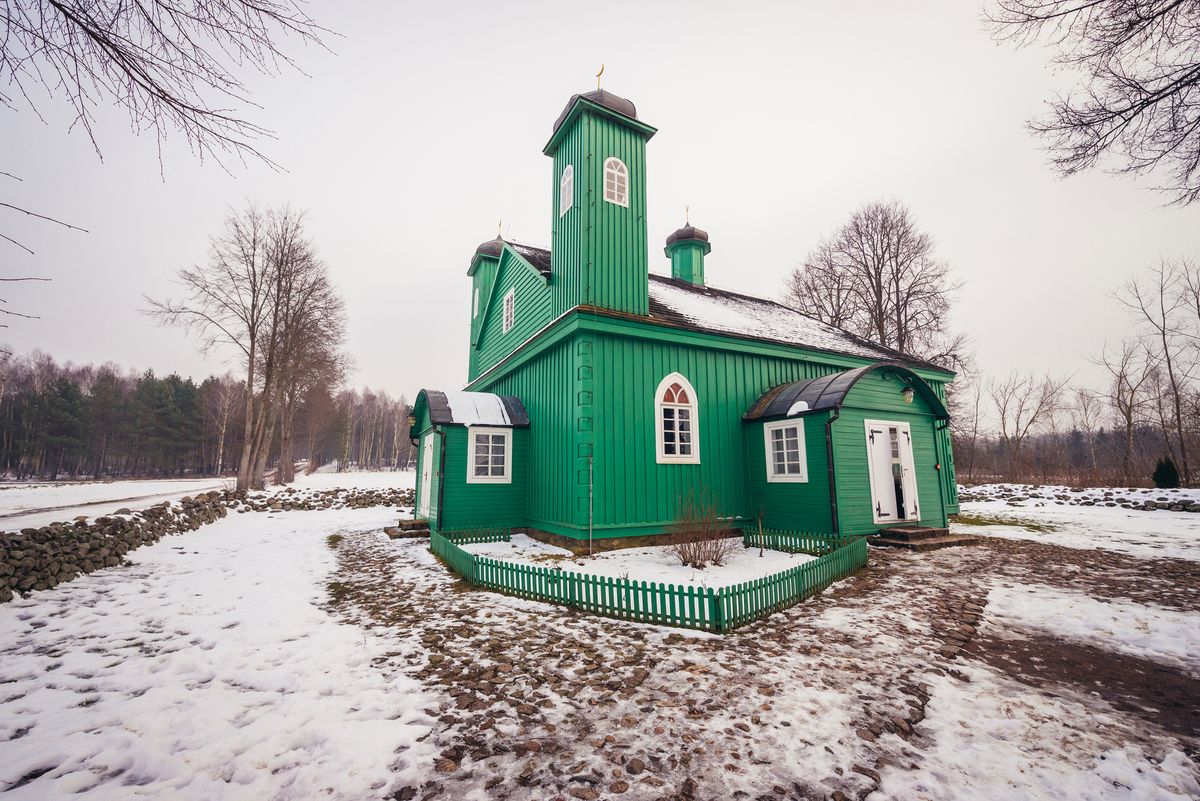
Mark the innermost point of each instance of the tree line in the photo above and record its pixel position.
(71, 421)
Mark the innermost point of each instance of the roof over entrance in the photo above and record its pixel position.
(829, 391)
(471, 409)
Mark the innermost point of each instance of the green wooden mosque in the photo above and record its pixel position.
(602, 398)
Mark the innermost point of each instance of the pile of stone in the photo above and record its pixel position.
(1135, 499)
(41, 558)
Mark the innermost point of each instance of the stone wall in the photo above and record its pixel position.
(41, 558)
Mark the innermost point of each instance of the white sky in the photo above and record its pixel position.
(426, 123)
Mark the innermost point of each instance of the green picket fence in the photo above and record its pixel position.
(478, 535)
(792, 541)
(654, 602)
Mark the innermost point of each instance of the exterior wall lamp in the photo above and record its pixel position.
(907, 394)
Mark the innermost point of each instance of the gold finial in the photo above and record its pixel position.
(598, 74)
(499, 227)
(686, 212)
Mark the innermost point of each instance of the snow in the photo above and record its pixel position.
(1142, 630)
(30, 505)
(759, 318)
(206, 670)
(655, 564)
(1136, 533)
(477, 409)
(992, 738)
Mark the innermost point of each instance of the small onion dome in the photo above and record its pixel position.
(492, 247)
(601, 98)
(687, 233)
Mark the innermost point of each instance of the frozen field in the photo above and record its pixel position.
(33, 504)
(258, 658)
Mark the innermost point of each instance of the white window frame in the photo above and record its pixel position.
(510, 310)
(475, 304)
(566, 190)
(617, 168)
(472, 433)
(661, 456)
(769, 443)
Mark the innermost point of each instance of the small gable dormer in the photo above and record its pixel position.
(598, 244)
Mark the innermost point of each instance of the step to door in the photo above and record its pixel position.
(409, 525)
(925, 544)
(913, 533)
(401, 533)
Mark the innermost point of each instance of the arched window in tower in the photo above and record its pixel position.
(616, 181)
(676, 433)
(566, 190)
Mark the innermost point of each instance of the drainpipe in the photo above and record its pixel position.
(591, 484)
(833, 509)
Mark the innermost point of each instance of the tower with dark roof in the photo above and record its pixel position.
(598, 243)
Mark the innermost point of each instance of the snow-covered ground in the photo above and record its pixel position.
(29, 505)
(1143, 630)
(1137, 533)
(656, 564)
(206, 670)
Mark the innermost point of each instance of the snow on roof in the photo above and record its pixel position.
(723, 312)
(478, 409)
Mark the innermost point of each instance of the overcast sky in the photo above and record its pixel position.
(425, 125)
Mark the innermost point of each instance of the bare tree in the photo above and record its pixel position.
(1159, 302)
(1087, 417)
(1140, 92)
(1129, 369)
(1023, 402)
(966, 420)
(880, 278)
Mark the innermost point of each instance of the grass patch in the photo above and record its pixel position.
(333, 540)
(1027, 523)
(338, 591)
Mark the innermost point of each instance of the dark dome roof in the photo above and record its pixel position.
(600, 98)
(492, 248)
(685, 233)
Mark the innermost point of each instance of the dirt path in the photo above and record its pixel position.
(813, 703)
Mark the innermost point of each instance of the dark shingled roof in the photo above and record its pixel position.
(829, 391)
(601, 98)
(538, 257)
(685, 233)
(492, 248)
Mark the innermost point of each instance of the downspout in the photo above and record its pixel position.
(833, 508)
(441, 476)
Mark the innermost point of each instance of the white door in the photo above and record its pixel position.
(426, 479)
(892, 472)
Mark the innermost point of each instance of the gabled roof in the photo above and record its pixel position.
(799, 398)
(717, 311)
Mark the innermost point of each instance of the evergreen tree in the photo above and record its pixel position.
(1166, 474)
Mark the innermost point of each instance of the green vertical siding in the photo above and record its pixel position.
(787, 505)
(474, 506)
(485, 274)
(599, 250)
(546, 386)
(532, 306)
(875, 397)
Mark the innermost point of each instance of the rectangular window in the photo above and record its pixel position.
(475, 304)
(489, 460)
(785, 451)
(510, 310)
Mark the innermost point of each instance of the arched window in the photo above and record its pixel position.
(566, 190)
(677, 433)
(616, 181)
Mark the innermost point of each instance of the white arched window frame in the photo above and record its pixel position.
(475, 304)
(676, 422)
(566, 190)
(616, 181)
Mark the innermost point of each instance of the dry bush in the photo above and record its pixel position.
(699, 537)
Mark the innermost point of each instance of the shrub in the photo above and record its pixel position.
(699, 537)
(1166, 474)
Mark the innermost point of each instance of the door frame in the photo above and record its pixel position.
(908, 469)
(424, 482)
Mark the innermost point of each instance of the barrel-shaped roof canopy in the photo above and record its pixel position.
(470, 409)
(829, 392)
